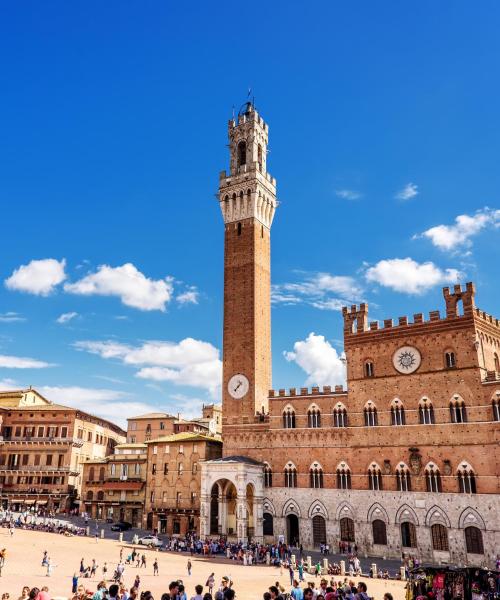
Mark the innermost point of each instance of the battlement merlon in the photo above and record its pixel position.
(452, 299)
(355, 319)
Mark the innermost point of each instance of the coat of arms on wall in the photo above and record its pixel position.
(415, 461)
(387, 467)
(447, 467)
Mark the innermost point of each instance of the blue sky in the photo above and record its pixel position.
(384, 129)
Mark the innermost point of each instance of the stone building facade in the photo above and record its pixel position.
(43, 447)
(406, 459)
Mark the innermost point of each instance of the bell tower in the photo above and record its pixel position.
(247, 197)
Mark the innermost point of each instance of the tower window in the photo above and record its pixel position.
(239, 228)
(371, 419)
(497, 362)
(426, 412)
(450, 360)
(369, 370)
(458, 413)
(242, 154)
(259, 156)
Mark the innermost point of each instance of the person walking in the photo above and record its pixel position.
(143, 561)
(210, 583)
(189, 567)
(74, 583)
(155, 567)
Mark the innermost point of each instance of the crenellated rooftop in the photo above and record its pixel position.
(326, 390)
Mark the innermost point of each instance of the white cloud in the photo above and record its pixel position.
(456, 236)
(127, 283)
(320, 290)
(348, 194)
(18, 362)
(409, 191)
(106, 403)
(316, 356)
(39, 277)
(190, 296)
(410, 277)
(189, 362)
(66, 317)
(11, 317)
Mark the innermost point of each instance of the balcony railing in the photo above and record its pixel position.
(37, 469)
(33, 439)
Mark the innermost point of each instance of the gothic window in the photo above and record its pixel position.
(316, 476)
(180, 469)
(397, 413)
(458, 413)
(242, 154)
(426, 412)
(374, 477)
(314, 417)
(466, 479)
(340, 416)
(239, 228)
(268, 476)
(432, 479)
(369, 369)
(408, 535)
(259, 156)
(495, 405)
(344, 478)
(379, 531)
(289, 418)
(474, 540)
(449, 359)
(347, 530)
(403, 478)
(290, 476)
(497, 362)
(371, 419)
(439, 538)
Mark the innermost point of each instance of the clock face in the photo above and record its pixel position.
(238, 386)
(406, 360)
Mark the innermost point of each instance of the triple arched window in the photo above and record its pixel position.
(370, 412)
(316, 476)
(458, 413)
(289, 418)
(466, 479)
(397, 413)
(403, 478)
(432, 478)
(314, 417)
(374, 477)
(340, 416)
(426, 412)
(343, 477)
(268, 476)
(290, 476)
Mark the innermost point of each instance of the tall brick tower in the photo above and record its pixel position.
(247, 197)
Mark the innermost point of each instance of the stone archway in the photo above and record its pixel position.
(292, 530)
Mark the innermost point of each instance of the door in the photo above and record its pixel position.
(319, 530)
(292, 530)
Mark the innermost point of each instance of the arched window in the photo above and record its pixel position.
(432, 478)
(180, 469)
(374, 477)
(91, 474)
(347, 530)
(290, 476)
(449, 359)
(458, 413)
(379, 532)
(340, 416)
(343, 477)
(495, 405)
(397, 413)
(474, 540)
(440, 538)
(369, 369)
(90, 495)
(316, 476)
(101, 474)
(466, 479)
(268, 476)
(314, 417)
(403, 478)
(408, 535)
(496, 361)
(242, 154)
(289, 418)
(426, 412)
(100, 496)
(371, 419)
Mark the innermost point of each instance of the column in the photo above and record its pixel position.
(241, 519)
(258, 519)
(222, 514)
(204, 516)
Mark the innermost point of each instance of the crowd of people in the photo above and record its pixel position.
(13, 521)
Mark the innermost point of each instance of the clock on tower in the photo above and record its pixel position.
(247, 198)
